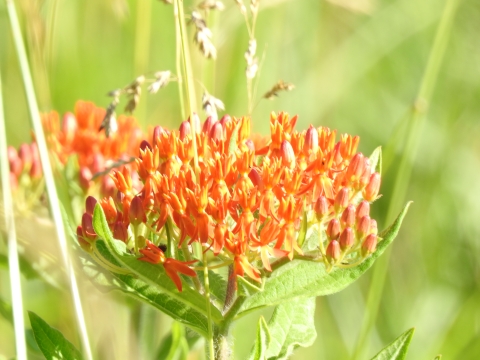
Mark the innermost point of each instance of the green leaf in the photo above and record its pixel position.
(397, 350)
(51, 341)
(262, 341)
(301, 278)
(152, 275)
(292, 325)
(25, 266)
(376, 160)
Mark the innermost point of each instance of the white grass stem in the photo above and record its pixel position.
(13, 264)
(48, 174)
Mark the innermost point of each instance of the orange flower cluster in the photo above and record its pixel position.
(242, 199)
(78, 135)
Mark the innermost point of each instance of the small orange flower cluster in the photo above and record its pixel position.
(243, 199)
(78, 135)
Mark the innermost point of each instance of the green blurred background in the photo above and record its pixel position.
(357, 66)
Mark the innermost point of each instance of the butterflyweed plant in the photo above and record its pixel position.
(209, 222)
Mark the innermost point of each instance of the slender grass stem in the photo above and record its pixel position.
(48, 174)
(211, 348)
(416, 123)
(178, 61)
(13, 263)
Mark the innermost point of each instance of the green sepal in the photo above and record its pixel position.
(262, 341)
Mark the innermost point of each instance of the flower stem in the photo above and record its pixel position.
(48, 174)
(209, 340)
(416, 123)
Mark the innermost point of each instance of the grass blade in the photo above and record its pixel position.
(13, 262)
(47, 172)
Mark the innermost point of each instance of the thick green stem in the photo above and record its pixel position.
(416, 122)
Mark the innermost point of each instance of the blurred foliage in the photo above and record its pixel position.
(356, 66)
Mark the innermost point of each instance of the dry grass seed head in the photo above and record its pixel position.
(162, 78)
(279, 86)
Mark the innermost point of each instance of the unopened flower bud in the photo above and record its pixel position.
(85, 245)
(287, 154)
(36, 170)
(369, 245)
(342, 199)
(373, 227)
(145, 145)
(348, 216)
(136, 213)
(363, 209)
(355, 168)
(225, 120)
(196, 123)
(367, 172)
(256, 179)
(217, 132)
(185, 129)
(90, 203)
(371, 191)
(333, 251)
(347, 238)
(120, 231)
(87, 227)
(14, 161)
(98, 163)
(107, 186)
(311, 141)
(85, 177)
(363, 227)
(250, 145)
(25, 154)
(157, 132)
(208, 124)
(333, 229)
(321, 208)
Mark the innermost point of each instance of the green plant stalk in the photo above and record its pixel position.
(416, 123)
(178, 62)
(13, 262)
(47, 172)
(209, 341)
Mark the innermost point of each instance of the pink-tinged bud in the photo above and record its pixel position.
(98, 163)
(355, 168)
(225, 120)
(217, 132)
(107, 186)
(87, 227)
(120, 231)
(333, 229)
(256, 179)
(185, 130)
(367, 172)
(145, 145)
(85, 245)
(25, 154)
(342, 199)
(90, 203)
(373, 227)
(250, 145)
(311, 141)
(69, 126)
(120, 196)
(110, 210)
(347, 238)
(363, 209)
(321, 208)
(14, 161)
(157, 133)
(371, 191)
(136, 213)
(36, 170)
(369, 245)
(333, 251)
(85, 178)
(363, 227)
(348, 216)
(196, 123)
(287, 154)
(207, 125)
(35, 154)
(13, 182)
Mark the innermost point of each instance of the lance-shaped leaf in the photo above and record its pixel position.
(376, 160)
(292, 325)
(300, 278)
(397, 350)
(153, 275)
(51, 342)
(262, 341)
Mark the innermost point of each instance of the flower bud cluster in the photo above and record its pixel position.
(241, 198)
(25, 166)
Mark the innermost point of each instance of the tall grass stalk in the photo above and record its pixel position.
(13, 263)
(47, 172)
(416, 123)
